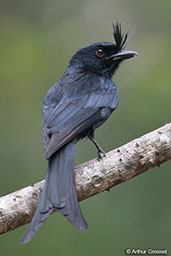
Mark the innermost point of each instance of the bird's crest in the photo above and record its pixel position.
(119, 37)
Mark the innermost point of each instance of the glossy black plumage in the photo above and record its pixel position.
(73, 108)
(78, 110)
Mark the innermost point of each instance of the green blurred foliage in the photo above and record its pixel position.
(37, 39)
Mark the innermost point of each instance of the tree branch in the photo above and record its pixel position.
(92, 177)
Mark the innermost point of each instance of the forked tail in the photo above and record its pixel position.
(59, 193)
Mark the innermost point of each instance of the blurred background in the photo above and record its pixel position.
(37, 40)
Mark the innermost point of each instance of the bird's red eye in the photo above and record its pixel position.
(100, 52)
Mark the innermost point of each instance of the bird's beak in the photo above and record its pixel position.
(123, 55)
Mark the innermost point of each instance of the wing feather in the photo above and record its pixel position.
(75, 115)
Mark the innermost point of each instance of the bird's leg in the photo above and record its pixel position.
(101, 152)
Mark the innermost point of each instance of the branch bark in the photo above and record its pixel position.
(92, 177)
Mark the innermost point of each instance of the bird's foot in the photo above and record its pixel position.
(101, 154)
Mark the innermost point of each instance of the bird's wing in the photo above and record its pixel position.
(73, 116)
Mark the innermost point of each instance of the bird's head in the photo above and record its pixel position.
(104, 57)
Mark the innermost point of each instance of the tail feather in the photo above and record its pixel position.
(59, 193)
(75, 216)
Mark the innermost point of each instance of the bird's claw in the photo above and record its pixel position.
(101, 154)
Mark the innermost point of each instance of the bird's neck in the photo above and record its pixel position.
(78, 68)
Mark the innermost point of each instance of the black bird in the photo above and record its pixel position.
(73, 108)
